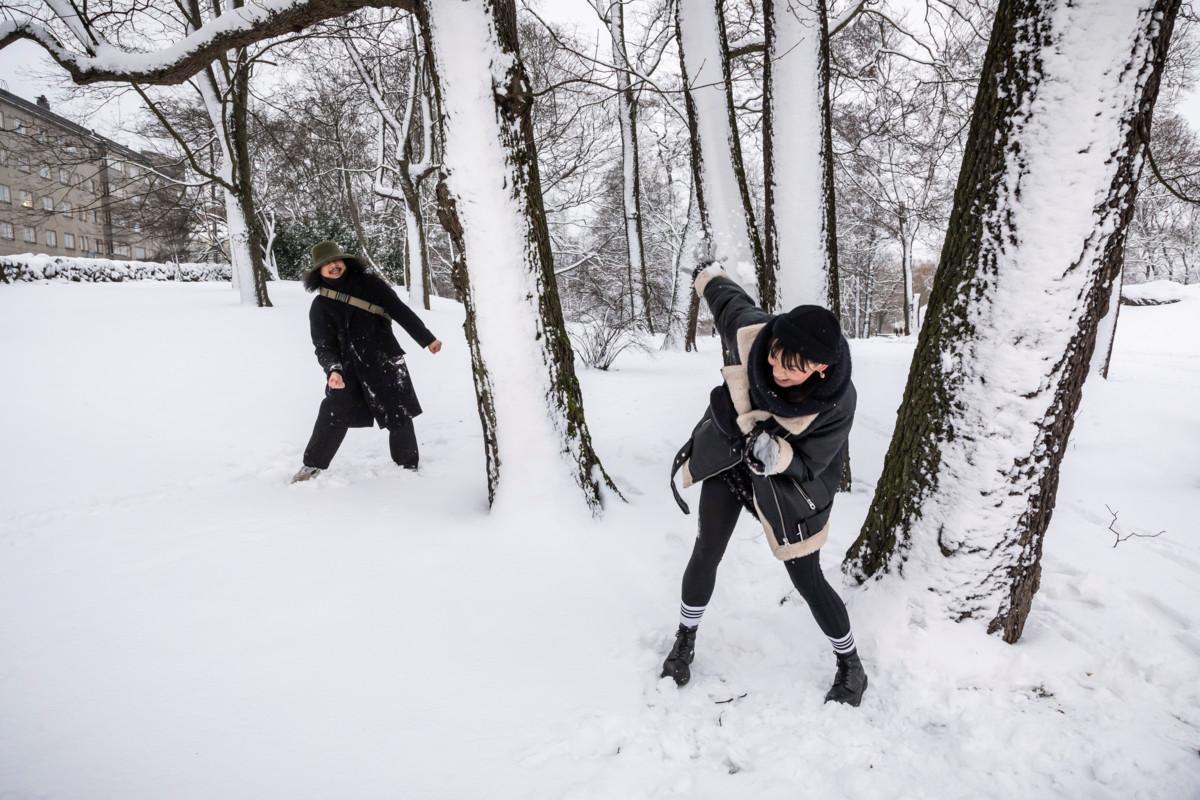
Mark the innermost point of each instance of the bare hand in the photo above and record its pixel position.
(336, 381)
(435, 346)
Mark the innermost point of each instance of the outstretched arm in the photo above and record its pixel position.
(731, 307)
(404, 316)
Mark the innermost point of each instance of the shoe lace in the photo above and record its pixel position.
(683, 642)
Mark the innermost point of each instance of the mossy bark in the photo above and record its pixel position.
(934, 411)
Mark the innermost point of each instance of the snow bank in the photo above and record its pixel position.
(1152, 293)
(37, 267)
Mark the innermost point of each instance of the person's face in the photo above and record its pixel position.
(333, 270)
(785, 377)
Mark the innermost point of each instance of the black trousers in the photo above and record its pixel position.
(328, 434)
(719, 510)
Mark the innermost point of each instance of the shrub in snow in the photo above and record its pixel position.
(33, 267)
(1153, 293)
(599, 338)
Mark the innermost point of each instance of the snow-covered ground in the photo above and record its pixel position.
(176, 621)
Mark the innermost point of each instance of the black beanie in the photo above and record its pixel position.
(811, 331)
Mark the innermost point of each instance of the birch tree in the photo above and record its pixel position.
(1036, 240)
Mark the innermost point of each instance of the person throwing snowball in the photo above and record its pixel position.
(366, 379)
(773, 442)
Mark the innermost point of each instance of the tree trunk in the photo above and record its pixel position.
(906, 245)
(631, 196)
(799, 230)
(536, 436)
(1025, 275)
(681, 290)
(414, 239)
(1106, 331)
(726, 214)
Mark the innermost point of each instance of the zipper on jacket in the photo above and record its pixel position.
(811, 505)
(779, 510)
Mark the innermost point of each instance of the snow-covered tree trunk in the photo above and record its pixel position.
(227, 107)
(627, 104)
(726, 214)
(269, 228)
(1035, 241)
(686, 260)
(799, 230)
(535, 434)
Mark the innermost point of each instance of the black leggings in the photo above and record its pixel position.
(719, 510)
(327, 437)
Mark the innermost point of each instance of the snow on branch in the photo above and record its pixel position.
(100, 60)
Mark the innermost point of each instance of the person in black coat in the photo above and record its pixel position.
(772, 442)
(367, 381)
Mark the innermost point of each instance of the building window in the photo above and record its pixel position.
(20, 127)
(139, 253)
(134, 171)
(69, 241)
(137, 227)
(26, 198)
(23, 163)
(90, 185)
(29, 235)
(3, 157)
(5, 194)
(64, 176)
(48, 204)
(121, 250)
(119, 166)
(64, 208)
(83, 243)
(95, 216)
(44, 171)
(6, 231)
(51, 239)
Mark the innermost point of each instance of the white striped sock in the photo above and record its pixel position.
(689, 616)
(843, 644)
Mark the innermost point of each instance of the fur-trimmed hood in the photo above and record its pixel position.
(313, 280)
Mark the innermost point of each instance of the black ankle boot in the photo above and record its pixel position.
(850, 681)
(681, 655)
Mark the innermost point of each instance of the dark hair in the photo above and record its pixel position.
(312, 278)
(790, 359)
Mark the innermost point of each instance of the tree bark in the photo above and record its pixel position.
(536, 436)
(722, 195)
(1025, 275)
(800, 227)
(631, 195)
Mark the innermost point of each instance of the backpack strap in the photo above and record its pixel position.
(354, 301)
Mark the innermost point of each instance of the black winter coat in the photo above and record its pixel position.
(794, 504)
(361, 346)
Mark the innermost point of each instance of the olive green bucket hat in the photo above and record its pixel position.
(324, 252)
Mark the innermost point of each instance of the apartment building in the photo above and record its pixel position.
(67, 191)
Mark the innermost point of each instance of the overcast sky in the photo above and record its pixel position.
(26, 71)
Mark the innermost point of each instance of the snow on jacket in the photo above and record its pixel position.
(361, 346)
(793, 503)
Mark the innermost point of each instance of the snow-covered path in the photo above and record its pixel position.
(176, 621)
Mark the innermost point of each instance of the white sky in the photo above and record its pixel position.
(25, 70)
